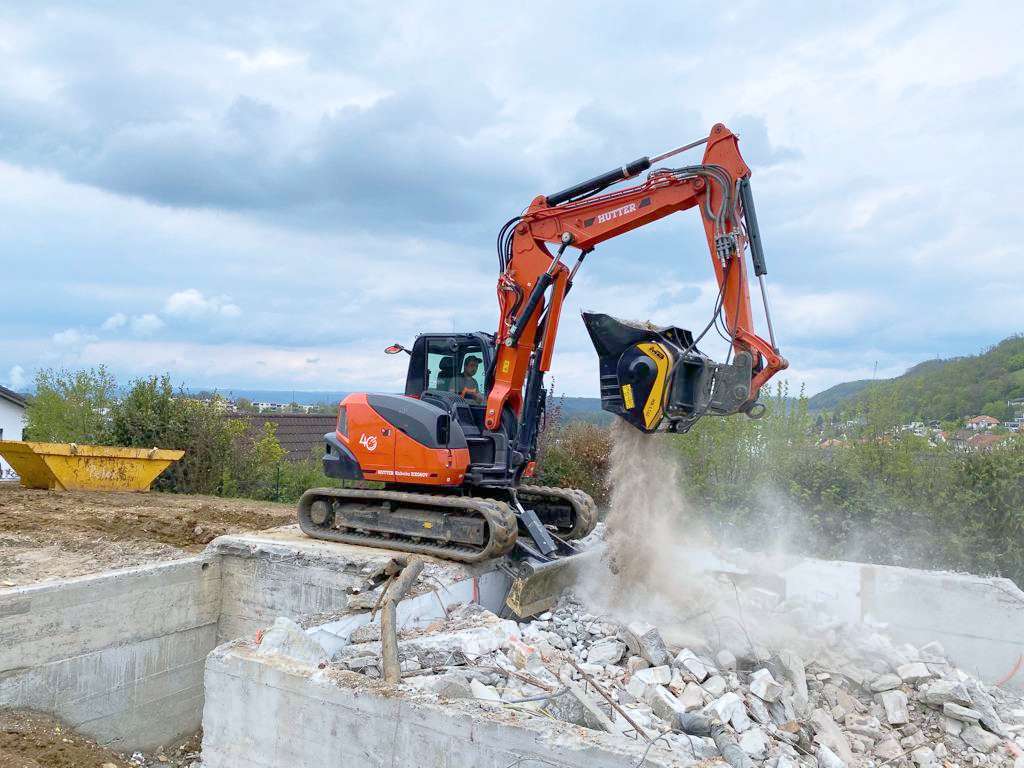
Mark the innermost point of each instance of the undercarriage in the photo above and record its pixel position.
(469, 529)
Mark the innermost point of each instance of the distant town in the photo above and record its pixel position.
(974, 433)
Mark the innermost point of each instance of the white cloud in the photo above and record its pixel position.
(264, 60)
(146, 325)
(114, 322)
(191, 304)
(16, 378)
(71, 337)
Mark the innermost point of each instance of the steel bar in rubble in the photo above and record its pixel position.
(389, 621)
(639, 731)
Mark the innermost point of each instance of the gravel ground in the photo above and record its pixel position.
(48, 535)
(32, 740)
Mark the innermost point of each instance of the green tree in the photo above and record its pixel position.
(71, 406)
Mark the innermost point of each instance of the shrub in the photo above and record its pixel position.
(71, 406)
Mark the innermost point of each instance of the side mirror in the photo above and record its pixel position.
(394, 349)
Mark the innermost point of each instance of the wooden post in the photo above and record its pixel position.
(389, 621)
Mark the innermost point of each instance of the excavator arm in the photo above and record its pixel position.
(652, 377)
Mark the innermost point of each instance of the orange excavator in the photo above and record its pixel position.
(451, 459)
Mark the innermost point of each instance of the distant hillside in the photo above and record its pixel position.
(829, 399)
(941, 389)
(582, 409)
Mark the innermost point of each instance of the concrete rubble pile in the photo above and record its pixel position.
(844, 695)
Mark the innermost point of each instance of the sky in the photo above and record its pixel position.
(263, 195)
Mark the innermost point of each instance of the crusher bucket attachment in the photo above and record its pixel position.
(71, 467)
(656, 378)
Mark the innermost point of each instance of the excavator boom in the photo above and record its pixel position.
(533, 284)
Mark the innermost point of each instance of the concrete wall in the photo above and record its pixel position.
(264, 577)
(978, 620)
(120, 655)
(263, 713)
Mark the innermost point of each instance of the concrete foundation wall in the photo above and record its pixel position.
(266, 714)
(265, 577)
(119, 656)
(978, 620)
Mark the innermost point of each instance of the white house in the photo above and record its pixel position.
(12, 419)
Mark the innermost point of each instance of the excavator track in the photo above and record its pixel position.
(584, 510)
(463, 528)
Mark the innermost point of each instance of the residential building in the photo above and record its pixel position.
(981, 423)
(985, 442)
(12, 420)
(300, 434)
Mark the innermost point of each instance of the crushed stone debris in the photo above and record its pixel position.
(847, 697)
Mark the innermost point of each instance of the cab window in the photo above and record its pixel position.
(456, 367)
(440, 365)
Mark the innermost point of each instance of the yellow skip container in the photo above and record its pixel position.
(71, 467)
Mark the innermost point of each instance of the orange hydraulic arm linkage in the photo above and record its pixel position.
(533, 283)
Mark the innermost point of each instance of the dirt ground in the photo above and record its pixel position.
(47, 535)
(33, 740)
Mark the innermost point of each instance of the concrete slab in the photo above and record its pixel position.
(282, 572)
(264, 713)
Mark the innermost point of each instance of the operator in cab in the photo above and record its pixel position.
(465, 382)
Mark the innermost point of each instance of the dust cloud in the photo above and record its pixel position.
(656, 566)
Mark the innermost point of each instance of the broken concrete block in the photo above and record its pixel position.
(692, 697)
(758, 710)
(726, 660)
(633, 663)
(754, 742)
(867, 726)
(361, 664)
(939, 692)
(895, 704)
(654, 675)
(715, 686)
(963, 714)
(763, 685)
(914, 740)
(923, 757)
(915, 672)
(698, 748)
(730, 709)
(368, 633)
(980, 739)
(886, 682)
(288, 640)
(449, 686)
(484, 692)
(952, 727)
(644, 640)
(688, 660)
(663, 703)
(828, 732)
(644, 679)
(797, 673)
(888, 749)
(828, 759)
(985, 704)
(607, 651)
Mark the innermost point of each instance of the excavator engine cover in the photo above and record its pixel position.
(655, 378)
